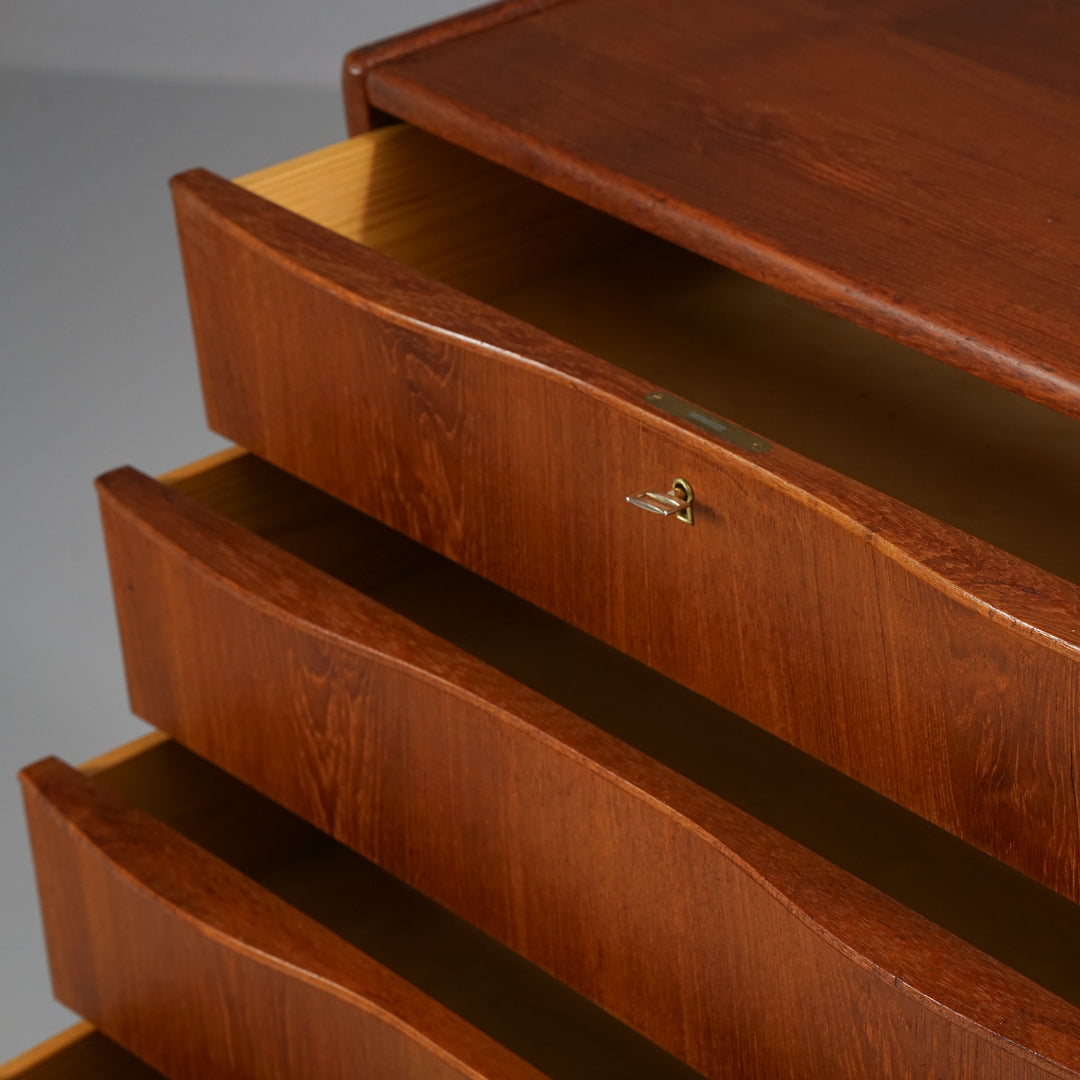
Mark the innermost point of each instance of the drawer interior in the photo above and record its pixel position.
(80, 1053)
(1026, 926)
(961, 449)
(527, 1011)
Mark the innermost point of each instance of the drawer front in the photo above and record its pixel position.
(926, 664)
(189, 964)
(725, 942)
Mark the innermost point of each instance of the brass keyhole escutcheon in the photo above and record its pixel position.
(681, 488)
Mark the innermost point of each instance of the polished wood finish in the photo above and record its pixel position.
(909, 166)
(188, 963)
(927, 664)
(712, 933)
(359, 114)
(467, 348)
(478, 980)
(962, 450)
(79, 1053)
(966, 452)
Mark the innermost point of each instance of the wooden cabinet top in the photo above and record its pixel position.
(912, 166)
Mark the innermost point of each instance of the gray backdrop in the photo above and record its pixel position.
(100, 101)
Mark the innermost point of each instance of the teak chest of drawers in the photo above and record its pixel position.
(480, 769)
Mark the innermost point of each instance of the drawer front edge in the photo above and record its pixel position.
(929, 666)
(202, 973)
(713, 935)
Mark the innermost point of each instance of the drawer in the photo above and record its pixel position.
(885, 577)
(745, 907)
(215, 935)
(79, 1053)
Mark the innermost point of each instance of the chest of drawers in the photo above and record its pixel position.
(799, 274)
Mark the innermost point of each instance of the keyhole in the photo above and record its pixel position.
(684, 491)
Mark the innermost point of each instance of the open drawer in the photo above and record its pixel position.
(573, 803)
(886, 576)
(215, 935)
(78, 1053)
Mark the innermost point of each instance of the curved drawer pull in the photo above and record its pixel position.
(678, 501)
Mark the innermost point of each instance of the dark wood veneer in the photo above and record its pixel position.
(359, 115)
(910, 166)
(432, 343)
(203, 973)
(713, 934)
(928, 665)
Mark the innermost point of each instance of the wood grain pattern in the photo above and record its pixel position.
(733, 947)
(431, 205)
(486, 984)
(927, 665)
(79, 1053)
(360, 116)
(908, 166)
(185, 961)
(969, 453)
(960, 449)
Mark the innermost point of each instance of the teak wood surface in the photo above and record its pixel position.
(911, 166)
(482, 982)
(184, 960)
(930, 666)
(728, 944)
(963, 450)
